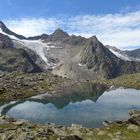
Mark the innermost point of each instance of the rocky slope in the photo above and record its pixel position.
(17, 85)
(14, 59)
(88, 59)
(134, 53)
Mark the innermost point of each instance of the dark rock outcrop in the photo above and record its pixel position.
(5, 41)
(42, 37)
(134, 53)
(14, 59)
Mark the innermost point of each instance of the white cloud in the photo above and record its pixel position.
(121, 30)
(32, 27)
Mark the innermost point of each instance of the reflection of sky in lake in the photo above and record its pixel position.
(112, 105)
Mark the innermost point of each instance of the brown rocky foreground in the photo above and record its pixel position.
(11, 129)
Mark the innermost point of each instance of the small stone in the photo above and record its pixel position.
(133, 127)
(134, 113)
(115, 139)
(100, 133)
(18, 123)
(19, 130)
(118, 136)
(22, 136)
(118, 133)
(76, 126)
(50, 131)
(1, 130)
(10, 137)
(2, 117)
(110, 135)
(97, 129)
(3, 137)
(2, 122)
(105, 124)
(41, 130)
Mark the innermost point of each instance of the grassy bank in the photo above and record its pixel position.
(126, 81)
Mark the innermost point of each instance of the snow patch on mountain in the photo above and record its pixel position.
(121, 56)
(39, 48)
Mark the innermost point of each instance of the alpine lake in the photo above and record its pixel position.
(85, 104)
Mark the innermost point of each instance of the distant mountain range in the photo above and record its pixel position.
(72, 56)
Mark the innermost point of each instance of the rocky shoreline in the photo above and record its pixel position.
(11, 129)
(14, 86)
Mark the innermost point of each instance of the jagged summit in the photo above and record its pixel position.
(42, 37)
(2, 25)
(94, 37)
(60, 32)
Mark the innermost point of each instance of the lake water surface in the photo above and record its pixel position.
(88, 106)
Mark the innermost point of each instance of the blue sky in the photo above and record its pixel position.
(114, 22)
(51, 8)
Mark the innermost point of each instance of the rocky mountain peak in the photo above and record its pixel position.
(5, 41)
(93, 37)
(60, 33)
(2, 25)
(4, 28)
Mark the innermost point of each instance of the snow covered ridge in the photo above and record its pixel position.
(123, 56)
(37, 46)
(11, 36)
(119, 55)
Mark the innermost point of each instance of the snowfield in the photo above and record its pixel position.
(123, 57)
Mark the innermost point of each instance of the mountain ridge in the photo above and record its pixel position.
(74, 57)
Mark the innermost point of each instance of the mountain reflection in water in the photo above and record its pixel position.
(79, 104)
